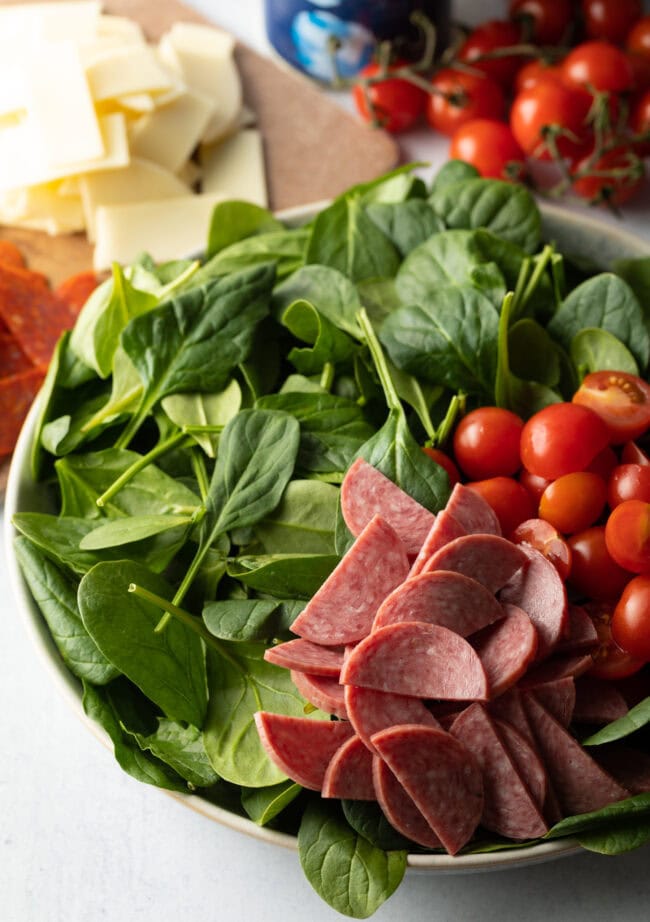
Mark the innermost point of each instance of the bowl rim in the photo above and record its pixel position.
(18, 483)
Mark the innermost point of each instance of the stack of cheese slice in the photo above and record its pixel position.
(104, 132)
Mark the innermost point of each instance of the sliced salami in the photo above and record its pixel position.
(539, 590)
(559, 698)
(349, 773)
(472, 512)
(506, 648)
(556, 668)
(629, 766)
(444, 529)
(322, 691)
(491, 560)
(527, 761)
(370, 711)
(417, 659)
(509, 808)
(366, 492)
(509, 707)
(343, 609)
(442, 597)
(580, 783)
(598, 701)
(580, 636)
(304, 656)
(302, 748)
(399, 808)
(440, 775)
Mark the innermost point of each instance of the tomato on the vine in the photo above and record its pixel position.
(550, 113)
(627, 534)
(489, 146)
(547, 540)
(545, 22)
(510, 501)
(610, 662)
(631, 618)
(574, 501)
(640, 121)
(598, 66)
(628, 481)
(594, 573)
(486, 443)
(483, 49)
(394, 103)
(614, 176)
(443, 459)
(459, 96)
(610, 19)
(562, 438)
(536, 71)
(638, 38)
(622, 401)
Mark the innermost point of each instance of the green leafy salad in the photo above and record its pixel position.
(193, 432)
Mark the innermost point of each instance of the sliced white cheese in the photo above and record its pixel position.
(138, 182)
(136, 102)
(132, 69)
(44, 208)
(169, 135)
(51, 21)
(235, 167)
(127, 30)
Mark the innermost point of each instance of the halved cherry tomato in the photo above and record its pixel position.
(598, 66)
(610, 19)
(493, 36)
(631, 618)
(509, 499)
(550, 113)
(534, 484)
(460, 96)
(621, 400)
(594, 574)
(628, 481)
(627, 534)
(396, 104)
(486, 443)
(562, 438)
(444, 461)
(610, 662)
(632, 454)
(543, 21)
(543, 537)
(616, 176)
(490, 146)
(574, 501)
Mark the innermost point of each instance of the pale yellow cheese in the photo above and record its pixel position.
(235, 167)
(132, 69)
(73, 21)
(164, 228)
(169, 135)
(43, 207)
(127, 30)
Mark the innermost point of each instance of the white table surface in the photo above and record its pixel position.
(82, 842)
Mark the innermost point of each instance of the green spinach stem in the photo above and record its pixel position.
(387, 384)
(140, 464)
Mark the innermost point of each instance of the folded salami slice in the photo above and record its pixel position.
(349, 773)
(441, 776)
(304, 656)
(366, 492)
(539, 590)
(302, 748)
(370, 711)
(509, 808)
(473, 512)
(444, 529)
(491, 560)
(559, 698)
(506, 648)
(580, 783)
(343, 609)
(442, 597)
(526, 759)
(598, 701)
(400, 809)
(418, 659)
(580, 636)
(322, 691)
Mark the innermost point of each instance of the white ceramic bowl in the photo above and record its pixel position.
(577, 234)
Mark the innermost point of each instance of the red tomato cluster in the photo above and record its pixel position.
(572, 482)
(559, 80)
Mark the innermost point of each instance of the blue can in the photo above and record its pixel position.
(336, 38)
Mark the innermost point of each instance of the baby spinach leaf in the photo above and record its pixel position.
(66, 433)
(631, 808)
(636, 717)
(263, 804)
(233, 221)
(330, 291)
(329, 343)
(205, 410)
(284, 248)
(126, 393)
(407, 224)
(451, 173)
(367, 819)
(247, 619)
(118, 532)
(56, 595)
(636, 272)
(351, 875)
(284, 576)
(617, 839)
(303, 522)
(169, 667)
(533, 354)
(593, 349)
(379, 298)
(183, 749)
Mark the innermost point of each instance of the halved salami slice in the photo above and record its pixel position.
(343, 609)
(400, 809)
(366, 492)
(558, 667)
(472, 512)
(370, 710)
(444, 529)
(630, 767)
(527, 761)
(506, 649)
(418, 659)
(539, 590)
(441, 776)
(304, 656)
(302, 748)
(598, 701)
(559, 698)
(349, 773)
(442, 597)
(509, 707)
(322, 691)
(580, 636)
(508, 807)
(580, 783)
(491, 560)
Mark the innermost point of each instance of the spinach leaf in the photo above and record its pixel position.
(618, 839)
(636, 272)
(330, 291)
(249, 619)
(233, 221)
(379, 298)
(56, 595)
(183, 749)
(126, 394)
(169, 667)
(636, 717)
(205, 410)
(119, 532)
(351, 875)
(284, 576)
(407, 224)
(533, 354)
(303, 522)
(329, 343)
(263, 804)
(593, 349)
(66, 433)
(631, 809)
(367, 819)
(285, 249)
(451, 173)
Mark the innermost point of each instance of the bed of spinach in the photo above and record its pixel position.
(193, 432)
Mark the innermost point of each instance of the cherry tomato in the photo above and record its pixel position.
(560, 440)
(444, 461)
(461, 96)
(599, 66)
(631, 618)
(543, 21)
(628, 481)
(604, 463)
(632, 454)
(615, 176)
(574, 501)
(621, 400)
(627, 534)
(548, 112)
(640, 64)
(638, 38)
(490, 147)
(534, 484)
(490, 37)
(610, 19)
(395, 104)
(543, 537)
(594, 574)
(640, 121)
(486, 443)
(536, 71)
(511, 502)
(610, 662)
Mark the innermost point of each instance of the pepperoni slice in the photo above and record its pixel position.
(13, 360)
(366, 492)
(305, 656)
(343, 609)
(349, 773)
(10, 255)
(444, 529)
(399, 808)
(491, 560)
(302, 748)
(506, 649)
(472, 512)
(370, 711)
(16, 395)
(323, 692)
(32, 312)
(76, 289)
